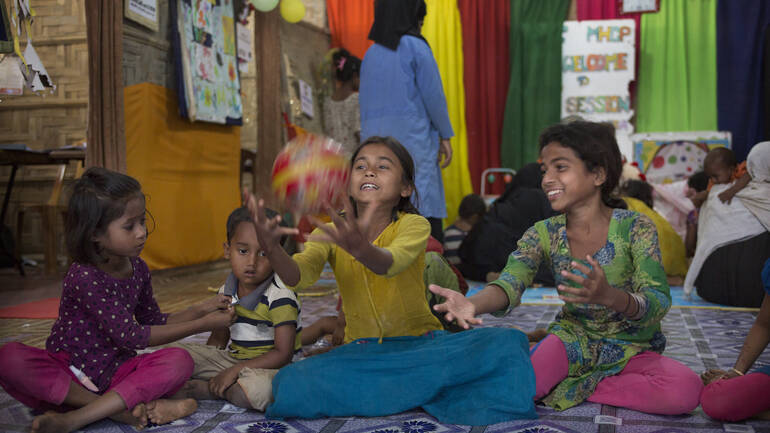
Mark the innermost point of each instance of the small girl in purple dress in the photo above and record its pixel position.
(89, 369)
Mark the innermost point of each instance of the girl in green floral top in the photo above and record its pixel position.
(605, 345)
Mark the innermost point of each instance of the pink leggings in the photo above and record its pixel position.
(737, 398)
(41, 379)
(649, 383)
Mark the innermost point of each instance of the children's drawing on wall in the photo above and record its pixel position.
(207, 53)
(668, 157)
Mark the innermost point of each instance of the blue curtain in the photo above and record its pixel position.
(741, 27)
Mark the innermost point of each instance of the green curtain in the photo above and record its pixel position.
(534, 90)
(678, 68)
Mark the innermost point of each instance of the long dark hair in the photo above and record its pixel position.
(98, 198)
(346, 66)
(595, 144)
(407, 168)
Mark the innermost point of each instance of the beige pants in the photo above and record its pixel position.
(257, 383)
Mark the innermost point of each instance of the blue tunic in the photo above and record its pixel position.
(401, 96)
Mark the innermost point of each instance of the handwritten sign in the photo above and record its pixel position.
(597, 66)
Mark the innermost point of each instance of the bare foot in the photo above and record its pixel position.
(51, 422)
(136, 418)
(164, 411)
(197, 389)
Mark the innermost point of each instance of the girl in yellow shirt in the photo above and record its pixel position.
(376, 248)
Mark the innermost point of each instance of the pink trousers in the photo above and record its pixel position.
(650, 382)
(41, 380)
(738, 398)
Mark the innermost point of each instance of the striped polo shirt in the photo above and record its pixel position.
(270, 305)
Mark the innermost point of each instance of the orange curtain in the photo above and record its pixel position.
(189, 173)
(349, 23)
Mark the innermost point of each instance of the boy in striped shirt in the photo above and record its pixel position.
(266, 332)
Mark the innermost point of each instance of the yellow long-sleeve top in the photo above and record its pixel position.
(389, 305)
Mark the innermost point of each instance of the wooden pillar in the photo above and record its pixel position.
(106, 126)
(270, 128)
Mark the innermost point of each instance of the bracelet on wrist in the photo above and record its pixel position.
(736, 371)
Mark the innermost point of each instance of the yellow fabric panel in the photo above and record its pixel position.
(189, 173)
(671, 245)
(443, 31)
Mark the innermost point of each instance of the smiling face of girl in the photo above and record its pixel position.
(377, 176)
(566, 180)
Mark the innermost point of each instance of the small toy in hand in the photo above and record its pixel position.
(310, 171)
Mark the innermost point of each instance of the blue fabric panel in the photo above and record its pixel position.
(477, 377)
(741, 26)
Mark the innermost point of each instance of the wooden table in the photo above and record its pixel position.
(20, 157)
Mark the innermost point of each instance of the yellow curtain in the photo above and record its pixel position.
(189, 173)
(443, 31)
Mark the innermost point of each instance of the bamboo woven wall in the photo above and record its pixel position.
(52, 120)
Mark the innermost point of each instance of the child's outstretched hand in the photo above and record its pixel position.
(349, 233)
(595, 288)
(457, 307)
(269, 231)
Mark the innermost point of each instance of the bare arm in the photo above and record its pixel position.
(163, 334)
(757, 340)
(219, 338)
(218, 302)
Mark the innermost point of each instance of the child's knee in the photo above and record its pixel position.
(717, 403)
(257, 386)
(180, 361)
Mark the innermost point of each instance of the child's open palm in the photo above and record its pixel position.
(269, 230)
(348, 232)
(457, 307)
(594, 286)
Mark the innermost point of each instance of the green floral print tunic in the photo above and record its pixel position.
(598, 340)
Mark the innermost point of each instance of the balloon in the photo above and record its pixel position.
(292, 10)
(507, 178)
(264, 5)
(309, 171)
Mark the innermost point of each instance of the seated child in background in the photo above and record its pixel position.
(721, 167)
(638, 197)
(89, 369)
(266, 332)
(698, 184)
(472, 210)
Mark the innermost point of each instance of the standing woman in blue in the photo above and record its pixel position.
(401, 96)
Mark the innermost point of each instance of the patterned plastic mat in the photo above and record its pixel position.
(700, 338)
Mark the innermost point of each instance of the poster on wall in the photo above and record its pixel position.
(144, 12)
(597, 67)
(207, 60)
(665, 157)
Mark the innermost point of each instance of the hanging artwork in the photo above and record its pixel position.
(207, 60)
(672, 156)
(597, 65)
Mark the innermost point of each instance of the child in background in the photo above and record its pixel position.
(605, 345)
(638, 197)
(266, 332)
(721, 167)
(342, 116)
(736, 394)
(376, 248)
(472, 210)
(698, 184)
(90, 369)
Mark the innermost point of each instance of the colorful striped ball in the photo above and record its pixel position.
(310, 171)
